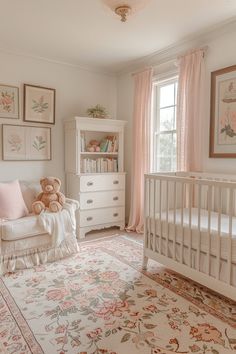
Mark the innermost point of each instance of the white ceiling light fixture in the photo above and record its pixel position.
(125, 8)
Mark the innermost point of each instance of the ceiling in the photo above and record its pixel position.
(87, 33)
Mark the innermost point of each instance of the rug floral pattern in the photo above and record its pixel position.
(99, 302)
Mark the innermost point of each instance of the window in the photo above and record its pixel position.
(163, 142)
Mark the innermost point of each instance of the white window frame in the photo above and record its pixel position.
(155, 118)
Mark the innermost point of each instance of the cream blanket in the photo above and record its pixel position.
(60, 225)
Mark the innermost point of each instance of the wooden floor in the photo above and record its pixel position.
(93, 235)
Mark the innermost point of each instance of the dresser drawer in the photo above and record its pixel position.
(101, 216)
(104, 199)
(102, 182)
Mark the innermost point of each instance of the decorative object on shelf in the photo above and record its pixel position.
(97, 112)
(39, 104)
(106, 145)
(9, 101)
(26, 143)
(125, 8)
(94, 146)
(223, 113)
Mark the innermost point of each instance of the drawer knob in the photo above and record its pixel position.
(89, 183)
(115, 214)
(116, 198)
(89, 218)
(89, 201)
(116, 182)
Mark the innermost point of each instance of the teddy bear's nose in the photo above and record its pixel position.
(49, 188)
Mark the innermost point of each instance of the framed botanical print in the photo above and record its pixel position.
(223, 113)
(9, 101)
(26, 143)
(39, 104)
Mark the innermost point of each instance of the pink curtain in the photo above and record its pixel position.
(189, 111)
(141, 149)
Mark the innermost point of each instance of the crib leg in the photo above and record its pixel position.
(145, 262)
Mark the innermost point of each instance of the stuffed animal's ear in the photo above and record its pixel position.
(41, 180)
(58, 181)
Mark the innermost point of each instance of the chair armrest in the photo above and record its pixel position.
(74, 203)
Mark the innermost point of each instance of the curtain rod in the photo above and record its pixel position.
(141, 71)
(204, 48)
(190, 51)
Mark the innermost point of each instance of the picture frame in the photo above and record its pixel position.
(26, 143)
(9, 101)
(39, 104)
(223, 113)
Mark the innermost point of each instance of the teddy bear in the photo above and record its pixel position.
(93, 146)
(50, 198)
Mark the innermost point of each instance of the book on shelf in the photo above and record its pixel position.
(100, 165)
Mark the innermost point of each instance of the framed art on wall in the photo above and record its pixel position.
(9, 101)
(223, 113)
(39, 104)
(25, 143)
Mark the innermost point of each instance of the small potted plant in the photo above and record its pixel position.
(97, 112)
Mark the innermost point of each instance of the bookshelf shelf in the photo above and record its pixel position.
(99, 153)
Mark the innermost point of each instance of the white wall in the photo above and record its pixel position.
(76, 90)
(221, 53)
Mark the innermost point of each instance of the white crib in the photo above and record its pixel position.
(190, 227)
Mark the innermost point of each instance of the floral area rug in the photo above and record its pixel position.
(100, 302)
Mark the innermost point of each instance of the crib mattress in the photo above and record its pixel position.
(177, 229)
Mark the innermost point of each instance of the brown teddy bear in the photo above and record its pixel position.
(50, 198)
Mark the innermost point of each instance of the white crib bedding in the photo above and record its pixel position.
(224, 239)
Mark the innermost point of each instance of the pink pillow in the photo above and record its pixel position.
(12, 205)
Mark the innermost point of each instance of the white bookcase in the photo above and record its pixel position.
(96, 179)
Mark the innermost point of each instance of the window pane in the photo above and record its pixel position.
(167, 95)
(167, 119)
(165, 144)
(174, 144)
(165, 164)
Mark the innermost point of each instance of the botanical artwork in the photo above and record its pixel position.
(223, 113)
(100, 302)
(227, 112)
(26, 143)
(9, 101)
(39, 104)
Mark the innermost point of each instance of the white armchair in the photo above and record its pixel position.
(25, 242)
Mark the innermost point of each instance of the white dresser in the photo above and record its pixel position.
(101, 194)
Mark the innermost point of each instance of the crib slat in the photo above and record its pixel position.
(219, 232)
(231, 200)
(190, 224)
(182, 223)
(199, 225)
(174, 235)
(154, 215)
(145, 212)
(160, 211)
(167, 217)
(209, 202)
(149, 216)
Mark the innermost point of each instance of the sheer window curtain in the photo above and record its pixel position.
(141, 148)
(189, 111)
